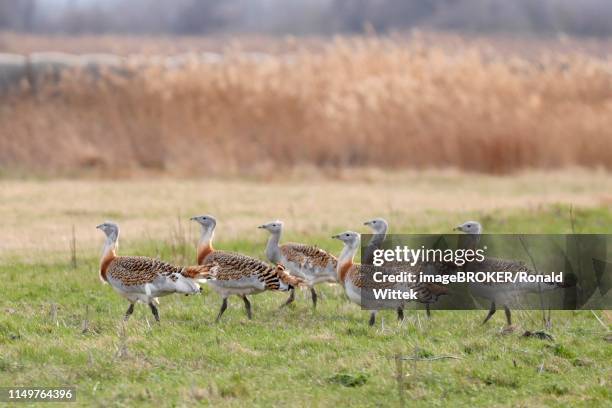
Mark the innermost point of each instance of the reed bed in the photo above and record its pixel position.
(358, 102)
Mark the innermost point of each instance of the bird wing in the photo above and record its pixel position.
(361, 276)
(140, 270)
(228, 266)
(308, 256)
(497, 265)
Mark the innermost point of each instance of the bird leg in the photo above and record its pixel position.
(428, 310)
(247, 305)
(372, 318)
(400, 314)
(223, 307)
(508, 315)
(491, 313)
(290, 299)
(129, 311)
(313, 293)
(154, 311)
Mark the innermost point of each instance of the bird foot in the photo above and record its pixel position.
(508, 330)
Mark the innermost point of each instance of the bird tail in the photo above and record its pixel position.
(196, 272)
(568, 282)
(288, 279)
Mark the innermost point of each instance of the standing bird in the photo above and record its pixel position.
(237, 274)
(310, 263)
(380, 226)
(142, 279)
(497, 293)
(357, 277)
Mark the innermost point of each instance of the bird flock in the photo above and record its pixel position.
(292, 265)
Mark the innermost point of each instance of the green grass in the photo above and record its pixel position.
(293, 356)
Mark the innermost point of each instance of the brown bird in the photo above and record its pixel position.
(357, 277)
(142, 279)
(499, 293)
(308, 262)
(237, 274)
(379, 226)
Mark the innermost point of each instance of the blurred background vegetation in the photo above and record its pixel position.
(237, 87)
(585, 17)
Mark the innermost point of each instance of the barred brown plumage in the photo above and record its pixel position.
(380, 227)
(304, 254)
(237, 274)
(361, 276)
(232, 266)
(312, 264)
(142, 279)
(138, 270)
(502, 293)
(355, 277)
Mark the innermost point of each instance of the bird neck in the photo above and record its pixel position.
(345, 261)
(272, 248)
(109, 252)
(375, 243)
(472, 241)
(205, 247)
(379, 237)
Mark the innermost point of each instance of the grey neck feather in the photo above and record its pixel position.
(111, 242)
(375, 243)
(206, 235)
(272, 248)
(469, 241)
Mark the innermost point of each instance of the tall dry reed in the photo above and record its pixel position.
(358, 102)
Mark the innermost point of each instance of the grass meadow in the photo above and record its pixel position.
(60, 326)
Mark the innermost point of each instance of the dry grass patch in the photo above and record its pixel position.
(39, 215)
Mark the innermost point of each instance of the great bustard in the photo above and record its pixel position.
(237, 274)
(357, 277)
(498, 293)
(380, 227)
(142, 279)
(310, 263)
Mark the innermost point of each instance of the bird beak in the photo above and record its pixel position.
(192, 218)
(336, 236)
(367, 223)
(457, 228)
(262, 226)
(99, 226)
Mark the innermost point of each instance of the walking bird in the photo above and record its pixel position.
(142, 279)
(380, 226)
(308, 262)
(237, 274)
(356, 278)
(498, 293)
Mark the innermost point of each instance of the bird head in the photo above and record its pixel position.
(273, 226)
(470, 227)
(208, 222)
(378, 225)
